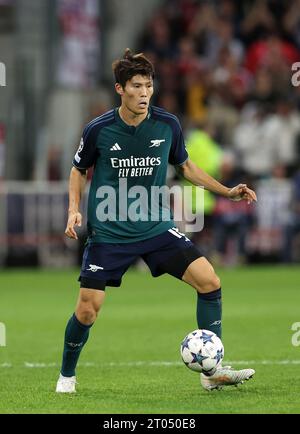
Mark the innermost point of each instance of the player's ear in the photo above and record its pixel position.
(119, 89)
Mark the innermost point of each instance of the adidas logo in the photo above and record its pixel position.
(116, 147)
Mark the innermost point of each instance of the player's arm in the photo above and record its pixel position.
(198, 177)
(77, 184)
(84, 158)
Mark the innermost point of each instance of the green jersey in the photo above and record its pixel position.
(130, 167)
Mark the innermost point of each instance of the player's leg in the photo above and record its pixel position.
(78, 328)
(173, 253)
(177, 256)
(76, 335)
(201, 275)
(96, 273)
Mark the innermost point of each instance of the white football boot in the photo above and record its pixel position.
(66, 384)
(225, 376)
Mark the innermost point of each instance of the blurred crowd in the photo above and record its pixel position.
(230, 70)
(225, 68)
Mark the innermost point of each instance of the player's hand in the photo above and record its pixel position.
(242, 192)
(74, 219)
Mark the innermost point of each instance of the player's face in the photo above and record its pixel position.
(136, 94)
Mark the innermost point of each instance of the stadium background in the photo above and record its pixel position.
(225, 68)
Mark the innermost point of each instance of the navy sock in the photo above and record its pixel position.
(209, 312)
(76, 335)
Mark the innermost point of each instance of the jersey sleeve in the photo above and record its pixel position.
(86, 154)
(178, 153)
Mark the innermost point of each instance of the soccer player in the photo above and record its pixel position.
(131, 146)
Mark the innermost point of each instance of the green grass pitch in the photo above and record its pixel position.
(131, 363)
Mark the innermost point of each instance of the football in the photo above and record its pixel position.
(202, 351)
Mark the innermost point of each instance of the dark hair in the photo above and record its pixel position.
(131, 64)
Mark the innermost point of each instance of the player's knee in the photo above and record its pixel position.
(86, 315)
(212, 283)
(87, 312)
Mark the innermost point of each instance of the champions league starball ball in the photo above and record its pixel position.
(202, 351)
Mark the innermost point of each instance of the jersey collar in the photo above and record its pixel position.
(131, 128)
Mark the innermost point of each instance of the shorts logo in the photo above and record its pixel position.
(156, 142)
(94, 268)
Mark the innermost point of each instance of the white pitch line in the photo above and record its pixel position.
(5, 365)
(149, 363)
(39, 365)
